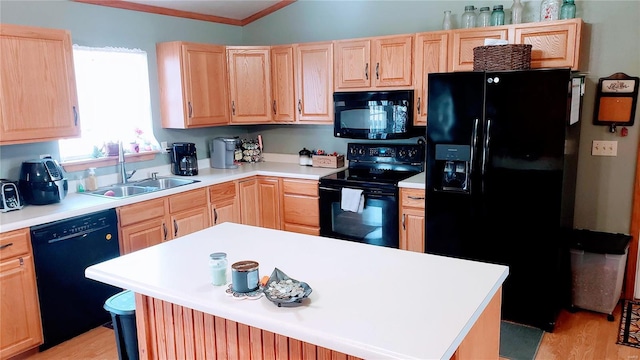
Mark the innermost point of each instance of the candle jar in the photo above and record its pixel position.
(218, 266)
(244, 276)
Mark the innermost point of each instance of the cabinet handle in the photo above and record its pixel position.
(5, 246)
(190, 109)
(175, 227)
(164, 229)
(403, 216)
(21, 262)
(418, 104)
(416, 197)
(274, 107)
(75, 115)
(366, 71)
(299, 106)
(377, 67)
(233, 107)
(215, 217)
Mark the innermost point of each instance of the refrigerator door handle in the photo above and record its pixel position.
(474, 143)
(485, 151)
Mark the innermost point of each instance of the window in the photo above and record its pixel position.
(114, 102)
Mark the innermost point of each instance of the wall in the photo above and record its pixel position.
(605, 184)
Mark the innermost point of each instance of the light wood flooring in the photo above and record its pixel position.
(582, 335)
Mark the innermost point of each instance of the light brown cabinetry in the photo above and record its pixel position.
(300, 206)
(20, 324)
(248, 194)
(269, 202)
(190, 77)
(412, 219)
(188, 212)
(464, 40)
(431, 56)
(283, 84)
(224, 203)
(552, 45)
(314, 83)
(38, 87)
(380, 62)
(249, 84)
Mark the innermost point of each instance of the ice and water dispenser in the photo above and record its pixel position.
(455, 163)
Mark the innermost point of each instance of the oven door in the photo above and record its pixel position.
(377, 224)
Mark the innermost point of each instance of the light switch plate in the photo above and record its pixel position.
(604, 148)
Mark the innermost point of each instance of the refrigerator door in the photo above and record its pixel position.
(454, 133)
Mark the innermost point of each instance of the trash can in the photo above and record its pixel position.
(598, 260)
(123, 316)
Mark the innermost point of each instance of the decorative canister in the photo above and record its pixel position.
(218, 266)
(244, 276)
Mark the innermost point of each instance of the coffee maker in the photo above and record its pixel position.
(223, 153)
(183, 159)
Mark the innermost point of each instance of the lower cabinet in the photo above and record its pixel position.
(412, 224)
(248, 194)
(300, 206)
(269, 202)
(188, 212)
(20, 324)
(224, 205)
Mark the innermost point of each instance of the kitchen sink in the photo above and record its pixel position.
(139, 187)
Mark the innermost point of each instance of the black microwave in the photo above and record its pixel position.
(378, 115)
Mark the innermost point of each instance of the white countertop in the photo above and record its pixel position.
(367, 301)
(414, 182)
(75, 204)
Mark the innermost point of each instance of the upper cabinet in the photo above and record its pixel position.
(379, 62)
(38, 88)
(192, 79)
(431, 56)
(250, 84)
(283, 84)
(314, 83)
(464, 40)
(551, 46)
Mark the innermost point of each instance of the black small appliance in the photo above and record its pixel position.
(42, 181)
(183, 159)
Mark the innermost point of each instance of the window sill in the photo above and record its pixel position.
(81, 165)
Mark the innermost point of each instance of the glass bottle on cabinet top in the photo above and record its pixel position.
(497, 16)
(484, 18)
(568, 10)
(516, 12)
(469, 17)
(446, 22)
(550, 10)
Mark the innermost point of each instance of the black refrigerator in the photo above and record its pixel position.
(501, 161)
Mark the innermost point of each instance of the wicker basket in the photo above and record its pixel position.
(502, 57)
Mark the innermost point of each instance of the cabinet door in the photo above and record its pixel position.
(269, 202)
(38, 88)
(392, 61)
(431, 56)
(465, 40)
(224, 211)
(143, 234)
(552, 45)
(283, 84)
(249, 84)
(248, 193)
(352, 64)
(300, 206)
(189, 221)
(314, 89)
(412, 230)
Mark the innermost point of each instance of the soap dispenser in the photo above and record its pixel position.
(91, 183)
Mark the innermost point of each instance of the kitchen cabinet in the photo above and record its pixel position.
(224, 203)
(190, 77)
(269, 202)
(249, 84)
(431, 56)
(283, 84)
(188, 212)
(554, 44)
(21, 327)
(142, 225)
(464, 40)
(248, 194)
(373, 63)
(412, 216)
(300, 206)
(314, 83)
(38, 89)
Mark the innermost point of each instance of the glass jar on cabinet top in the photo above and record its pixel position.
(516, 12)
(484, 18)
(446, 21)
(469, 17)
(550, 10)
(497, 16)
(568, 10)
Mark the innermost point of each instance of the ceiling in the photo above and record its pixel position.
(232, 12)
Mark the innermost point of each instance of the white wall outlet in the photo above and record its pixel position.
(604, 148)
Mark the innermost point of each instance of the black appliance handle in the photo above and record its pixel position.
(79, 234)
(485, 151)
(368, 193)
(474, 144)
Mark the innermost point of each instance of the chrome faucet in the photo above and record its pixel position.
(123, 171)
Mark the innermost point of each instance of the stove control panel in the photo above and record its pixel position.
(393, 153)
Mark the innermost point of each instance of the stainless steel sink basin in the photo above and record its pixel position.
(139, 187)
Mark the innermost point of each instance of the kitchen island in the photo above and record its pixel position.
(367, 301)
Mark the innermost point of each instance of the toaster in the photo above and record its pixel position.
(10, 198)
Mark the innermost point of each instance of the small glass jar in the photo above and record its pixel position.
(446, 21)
(469, 17)
(568, 10)
(484, 18)
(550, 10)
(497, 16)
(218, 266)
(244, 276)
(516, 12)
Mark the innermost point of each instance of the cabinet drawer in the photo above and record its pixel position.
(412, 198)
(222, 191)
(134, 213)
(14, 243)
(188, 200)
(301, 187)
(301, 210)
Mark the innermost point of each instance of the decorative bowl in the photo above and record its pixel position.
(285, 291)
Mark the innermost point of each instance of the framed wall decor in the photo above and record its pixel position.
(616, 99)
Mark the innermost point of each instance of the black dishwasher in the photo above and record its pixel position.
(71, 304)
